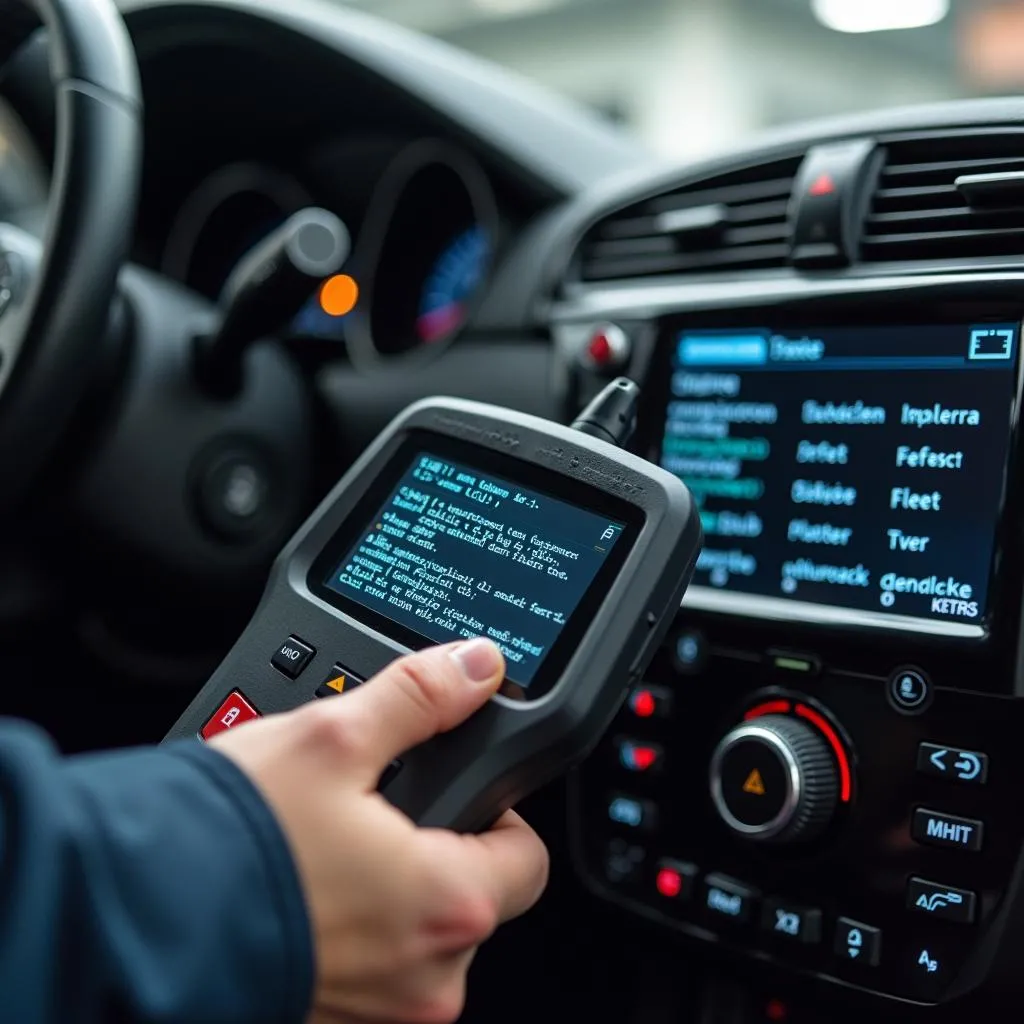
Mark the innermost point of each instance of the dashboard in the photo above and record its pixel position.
(828, 333)
(816, 783)
(422, 249)
(420, 258)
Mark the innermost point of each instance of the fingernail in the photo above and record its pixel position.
(479, 659)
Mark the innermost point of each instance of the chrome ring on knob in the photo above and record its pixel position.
(756, 733)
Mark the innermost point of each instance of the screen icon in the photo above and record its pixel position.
(991, 343)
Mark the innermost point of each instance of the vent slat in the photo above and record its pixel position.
(916, 212)
(734, 221)
(735, 196)
(631, 247)
(951, 168)
(947, 218)
(732, 259)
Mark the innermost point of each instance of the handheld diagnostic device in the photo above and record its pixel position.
(466, 520)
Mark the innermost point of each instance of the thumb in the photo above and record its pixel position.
(422, 694)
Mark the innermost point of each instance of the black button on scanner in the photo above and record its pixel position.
(292, 657)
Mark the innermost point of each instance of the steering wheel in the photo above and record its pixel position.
(55, 300)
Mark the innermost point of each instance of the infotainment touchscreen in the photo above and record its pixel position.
(455, 552)
(854, 467)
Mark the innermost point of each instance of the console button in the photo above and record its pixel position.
(945, 902)
(339, 680)
(643, 758)
(675, 879)
(857, 942)
(690, 652)
(650, 702)
(631, 812)
(909, 690)
(623, 861)
(927, 966)
(791, 921)
(292, 657)
(933, 828)
(824, 203)
(774, 778)
(729, 899)
(234, 711)
(953, 763)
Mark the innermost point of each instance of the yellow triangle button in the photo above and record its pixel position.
(754, 784)
(337, 683)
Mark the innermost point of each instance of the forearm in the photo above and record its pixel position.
(144, 886)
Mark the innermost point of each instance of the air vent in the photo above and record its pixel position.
(917, 214)
(731, 222)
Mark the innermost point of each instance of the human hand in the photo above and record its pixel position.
(397, 911)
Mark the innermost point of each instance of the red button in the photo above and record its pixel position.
(600, 348)
(670, 883)
(234, 711)
(675, 879)
(643, 704)
(650, 702)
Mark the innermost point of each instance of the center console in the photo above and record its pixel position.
(820, 769)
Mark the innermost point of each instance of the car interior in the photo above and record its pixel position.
(802, 811)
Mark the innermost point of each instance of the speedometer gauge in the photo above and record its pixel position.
(424, 254)
(452, 284)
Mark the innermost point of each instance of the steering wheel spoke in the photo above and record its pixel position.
(20, 256)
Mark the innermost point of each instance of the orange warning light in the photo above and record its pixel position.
(754, 784)
(339, 295)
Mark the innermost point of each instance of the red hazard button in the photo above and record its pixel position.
(234, 711)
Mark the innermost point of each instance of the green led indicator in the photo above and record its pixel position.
(793, 664)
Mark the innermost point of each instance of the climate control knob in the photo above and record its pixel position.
(774, 779)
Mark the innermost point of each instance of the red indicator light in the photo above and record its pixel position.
(600, 348)
(845, 776)
(776, 1011)
(771, 707)
(643, 703)
(644, 757)
(823, 185)
(669, 883)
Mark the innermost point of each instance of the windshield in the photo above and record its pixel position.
(691, 77)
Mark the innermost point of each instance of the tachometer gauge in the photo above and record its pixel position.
(223, 218)
(452, 285)
(423, 256)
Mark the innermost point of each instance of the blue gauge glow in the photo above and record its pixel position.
(312, 321)
(451, 285)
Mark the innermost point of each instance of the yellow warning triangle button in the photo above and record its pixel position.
(754, 784)
(337, 683)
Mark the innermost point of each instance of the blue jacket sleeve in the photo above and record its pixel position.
(149, 885)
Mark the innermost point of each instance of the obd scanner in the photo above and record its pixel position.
(464, 520)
